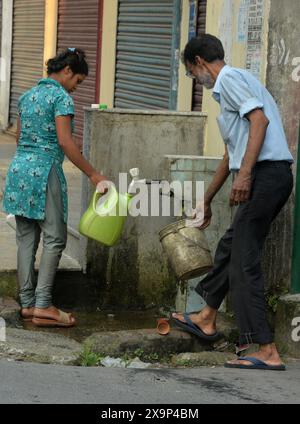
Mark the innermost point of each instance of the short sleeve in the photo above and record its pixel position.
(64, 105)
(237, 95)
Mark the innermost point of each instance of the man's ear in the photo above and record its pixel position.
(199, 60)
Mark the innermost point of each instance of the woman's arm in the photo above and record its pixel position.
(66, 142)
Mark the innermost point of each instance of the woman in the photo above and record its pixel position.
(36, 189)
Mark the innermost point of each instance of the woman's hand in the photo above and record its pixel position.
(100, 182)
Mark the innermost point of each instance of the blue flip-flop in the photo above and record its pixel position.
(257, 364)
(190, 327)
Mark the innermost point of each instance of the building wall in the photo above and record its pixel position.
(230, 20)
(108, 53)
(50, 38)
(108, 59)
(283, 81)
(185, 85)
(283, 74)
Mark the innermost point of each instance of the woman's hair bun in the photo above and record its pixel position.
(72, 57)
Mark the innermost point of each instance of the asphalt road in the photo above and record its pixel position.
(27, 383)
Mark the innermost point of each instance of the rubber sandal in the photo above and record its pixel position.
(192, 328)
(63, 321)
(257, 364)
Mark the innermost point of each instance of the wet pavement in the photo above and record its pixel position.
(97, 321)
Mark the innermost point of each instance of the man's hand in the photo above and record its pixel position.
(241, 188)
(202, 216)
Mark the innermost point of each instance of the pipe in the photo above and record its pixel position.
(295, 283)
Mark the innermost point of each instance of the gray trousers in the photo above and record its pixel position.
(54, 230)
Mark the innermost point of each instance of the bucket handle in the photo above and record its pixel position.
(190, 241)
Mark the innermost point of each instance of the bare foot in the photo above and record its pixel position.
(205, 321)
(27, 312)
(267, 353)
(51, 312)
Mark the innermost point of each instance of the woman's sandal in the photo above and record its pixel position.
(65, 320)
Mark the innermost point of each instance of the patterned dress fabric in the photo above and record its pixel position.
(38, 150)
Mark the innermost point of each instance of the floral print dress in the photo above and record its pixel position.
(38, 150)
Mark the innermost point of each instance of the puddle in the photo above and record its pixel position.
(92, 322)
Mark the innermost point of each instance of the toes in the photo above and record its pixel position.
(177, 315)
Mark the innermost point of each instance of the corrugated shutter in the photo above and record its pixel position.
(201, 27)
(147, 38)
(79, 25)
(27, 49)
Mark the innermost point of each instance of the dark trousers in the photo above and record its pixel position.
(237, 264)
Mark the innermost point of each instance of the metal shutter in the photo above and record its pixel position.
(201, 26)
(148, 39)
(27, 49)
(79, 26)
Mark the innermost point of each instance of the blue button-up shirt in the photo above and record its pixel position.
(238, 93)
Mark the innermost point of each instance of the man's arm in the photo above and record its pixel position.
(242, 185)
(218, 180)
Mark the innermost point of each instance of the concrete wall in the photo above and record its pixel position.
(135, 273)
(283, 73)
(283, 81)
(196, 168)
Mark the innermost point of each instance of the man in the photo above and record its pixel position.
(256, 151)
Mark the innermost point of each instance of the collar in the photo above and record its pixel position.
(216, 90)
(50, 81)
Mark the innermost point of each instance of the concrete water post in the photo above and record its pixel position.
(295, 286)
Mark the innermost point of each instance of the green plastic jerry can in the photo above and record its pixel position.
(103, 220)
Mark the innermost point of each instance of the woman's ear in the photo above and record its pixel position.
(68, 71)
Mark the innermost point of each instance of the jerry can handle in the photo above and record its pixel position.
(96, 196)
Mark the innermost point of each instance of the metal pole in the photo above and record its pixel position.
(295, 285)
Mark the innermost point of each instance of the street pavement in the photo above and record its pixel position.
(28, 383)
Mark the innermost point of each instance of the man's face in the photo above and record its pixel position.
(200, 74)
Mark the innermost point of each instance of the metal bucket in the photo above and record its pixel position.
(187, 250)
